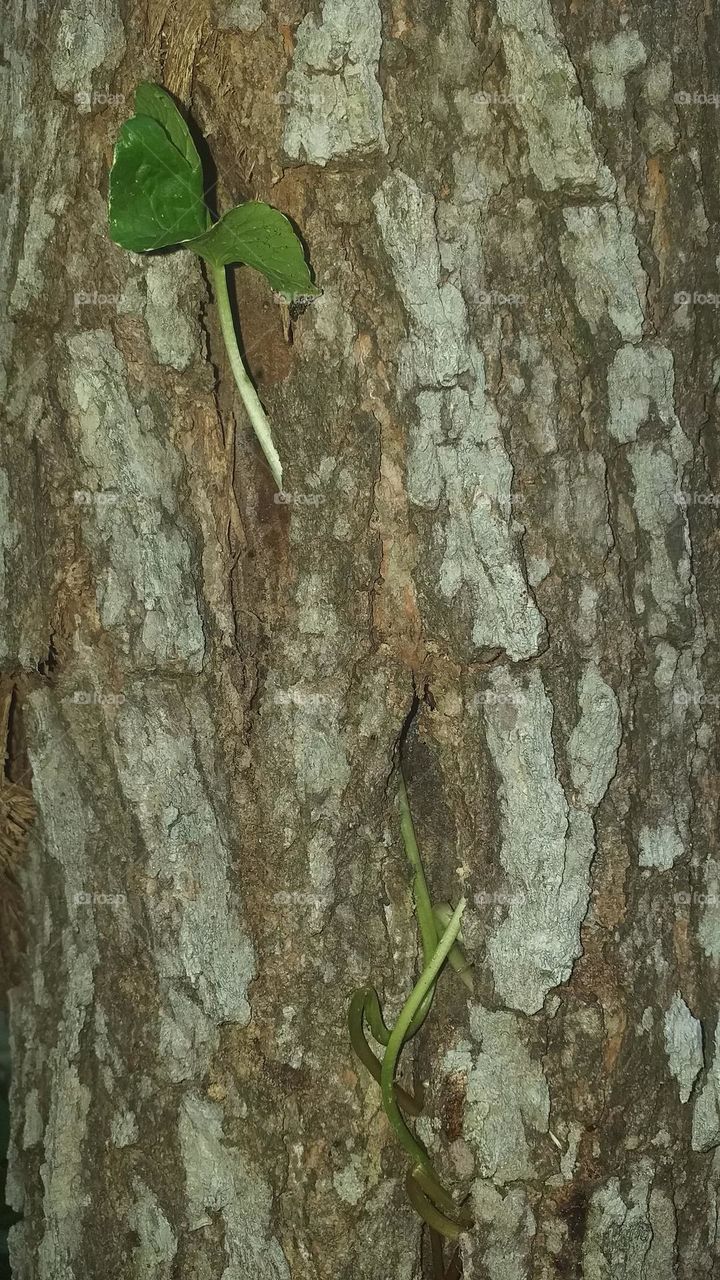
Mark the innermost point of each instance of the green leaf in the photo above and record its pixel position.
(156, 194)
(260, 237)
(151, 100)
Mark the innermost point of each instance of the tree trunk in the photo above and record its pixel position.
(499, 535)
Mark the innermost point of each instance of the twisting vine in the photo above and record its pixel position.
(439, 931)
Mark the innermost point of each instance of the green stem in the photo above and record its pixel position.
(250, 398)
(436, 1249)
(421, 896)
(437, 1221)
(365, 1005)
(442, 911)
(428, 1183)
(399, 1032)
(423, 905)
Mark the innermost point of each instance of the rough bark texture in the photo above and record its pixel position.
(503, 412)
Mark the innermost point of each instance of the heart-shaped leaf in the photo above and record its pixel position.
(151, 100)
(261, 237)
(156, 193)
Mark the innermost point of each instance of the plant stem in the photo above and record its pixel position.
(439, 1223)
(457, 959)
(424, 984)
(250, 398)
(438, 1261)
(421, 897)
(423, 905)
(365, 1005)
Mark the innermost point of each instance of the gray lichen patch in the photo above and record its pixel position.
(547, 97)
(335, 100)
(89, 36)
(641, 383)
(501, 1248)
(438, 350)
(457, 462)
(175, 340)
(600, 252)
(663, 586)
(706, 1112)
(507, 1100)
(309, 722)
(141, 547)
(593, 745)
(66, 815)
(47, 202)
(660, 846)
(539, 399)
(709, 927)
(612, 63)
(157, 1242)
(240, 15)
(643, 418)
(662, 1253)
(124, 1129)
(641, 379)
(533, 948)
(33, 1125)
(188, 1037)
(160, 752)
(29, 278)
(64, 1173)
(479, 166)
(629, 1232)
(659, 126)
(683, 1045)
(219, 1180)
(65, 944)
(547, 845)
(351, 1182)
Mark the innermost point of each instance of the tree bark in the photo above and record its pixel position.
(499, 438)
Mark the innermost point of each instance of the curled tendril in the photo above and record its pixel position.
(439, 930)
(366, 1006)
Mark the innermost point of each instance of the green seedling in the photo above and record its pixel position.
(439, 932)
(157, 201)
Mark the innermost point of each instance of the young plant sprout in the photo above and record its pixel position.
(439, 933)
(157, 201)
